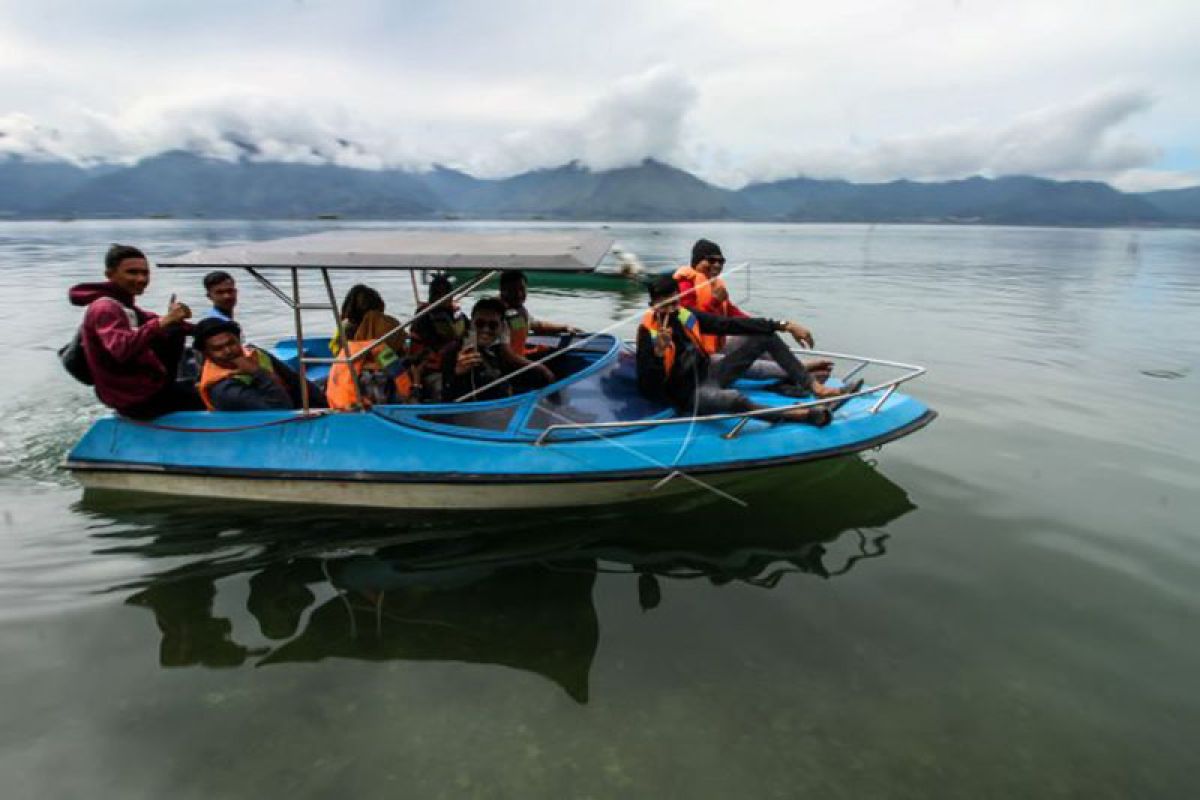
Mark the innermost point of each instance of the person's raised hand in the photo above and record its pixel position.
(801, 334)
(247, 365)
(468, 359)
(176, 313)
(662, 342)
(721, 294)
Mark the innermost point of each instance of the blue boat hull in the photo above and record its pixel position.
(471, 455)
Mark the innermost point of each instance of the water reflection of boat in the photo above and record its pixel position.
(384, 588)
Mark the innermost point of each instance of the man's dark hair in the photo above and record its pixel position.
(511, 276)
(703, 248)
(662, 288)
(209, 327)
(213, 278)
(492, 304)
(118, 253)
(440, 286)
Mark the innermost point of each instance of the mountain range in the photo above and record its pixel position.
(183, 184)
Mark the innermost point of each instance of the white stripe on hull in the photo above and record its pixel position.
(392, 495)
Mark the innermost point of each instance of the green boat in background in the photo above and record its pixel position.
(595, 281)
(623, 272)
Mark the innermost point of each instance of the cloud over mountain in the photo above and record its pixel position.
(1083, 138)
(641, 116)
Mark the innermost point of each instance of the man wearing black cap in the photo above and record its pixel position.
(702, 289)
(700, 284)
(238, 377)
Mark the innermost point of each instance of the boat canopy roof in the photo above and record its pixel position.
(551, 251)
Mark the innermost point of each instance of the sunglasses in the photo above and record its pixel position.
(715, 260)
(487, 324)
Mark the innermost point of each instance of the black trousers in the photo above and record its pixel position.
(739, 361)
(178, 394)
(175, 396)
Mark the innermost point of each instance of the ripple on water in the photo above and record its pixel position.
(36, 435)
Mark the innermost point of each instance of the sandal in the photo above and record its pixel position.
(854, 387)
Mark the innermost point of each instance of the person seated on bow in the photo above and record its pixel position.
(514, 288)
(477, 366)
(439, 324)
(238, 377)
(701, 288)
(675, 367)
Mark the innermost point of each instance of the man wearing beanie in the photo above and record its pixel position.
(700, 284)
(239, 377)
(702, 289)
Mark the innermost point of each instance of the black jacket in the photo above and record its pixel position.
(691, 363)
(263, 393)
(493, 368)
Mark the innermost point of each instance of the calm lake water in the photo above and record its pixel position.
(1005, 604)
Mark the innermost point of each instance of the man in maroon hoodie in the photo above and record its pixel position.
(133, 354)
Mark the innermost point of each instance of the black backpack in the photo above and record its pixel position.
(74, 360)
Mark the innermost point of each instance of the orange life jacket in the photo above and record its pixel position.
(691, 326)
(340, 391)
(212, 374)
(703, 290)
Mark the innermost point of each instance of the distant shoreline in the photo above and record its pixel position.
(1181, 225)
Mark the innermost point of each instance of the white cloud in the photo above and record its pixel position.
(1084, 138)
(1150, 180)
(228, 126)
(21, 135)
(641, 116)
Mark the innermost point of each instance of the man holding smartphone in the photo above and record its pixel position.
(481, 358)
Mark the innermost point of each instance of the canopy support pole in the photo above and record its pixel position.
(272, 288)
(298, 317)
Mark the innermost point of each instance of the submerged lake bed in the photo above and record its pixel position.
(1003, 604)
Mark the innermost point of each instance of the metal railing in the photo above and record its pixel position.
(911, 372)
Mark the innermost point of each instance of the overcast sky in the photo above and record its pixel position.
(733, 91)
